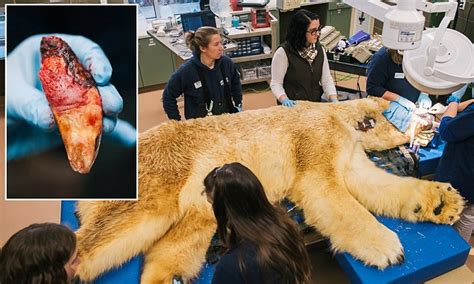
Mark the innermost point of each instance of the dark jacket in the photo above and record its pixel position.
(457, 163)
(228, 270)
(302, 80)
(186, 80)
(381, 77)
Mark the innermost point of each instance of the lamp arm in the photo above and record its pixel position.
(450, 11)
(449, 7)
(374, 8)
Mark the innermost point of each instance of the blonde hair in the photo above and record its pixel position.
(396, 57)
(200, 38)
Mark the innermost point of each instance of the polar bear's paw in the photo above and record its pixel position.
(440, 204)
(380, 248)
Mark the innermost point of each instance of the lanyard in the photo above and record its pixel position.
(209, 109)
(205, 90)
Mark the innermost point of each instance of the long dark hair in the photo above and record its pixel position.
(244, 213)
(37, 254)
(296, 34)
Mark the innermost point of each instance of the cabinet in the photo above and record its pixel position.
(465, 20)
(339, 16)
(140, 80)
(154, 61)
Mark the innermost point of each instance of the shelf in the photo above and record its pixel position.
(251, 81)
(235, 33)
(316, 2)
(251, 58)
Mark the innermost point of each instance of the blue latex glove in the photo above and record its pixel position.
(424, 101)
(457, 95)
(288, 103)
(406, 103)
(28, 111)
(399, 116)
(333, 100)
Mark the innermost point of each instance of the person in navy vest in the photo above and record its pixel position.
(385, 79)
(457, 163)
(300, 68)
(209, 80)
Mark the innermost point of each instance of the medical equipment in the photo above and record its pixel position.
(436, 61)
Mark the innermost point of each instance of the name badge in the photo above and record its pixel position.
(197, 84)
(399, 76)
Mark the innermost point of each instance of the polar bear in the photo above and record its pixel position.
(312, 154)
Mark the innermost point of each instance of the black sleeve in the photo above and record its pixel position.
(236, 87)
(377, 75)
(459, 128)
(173, 89)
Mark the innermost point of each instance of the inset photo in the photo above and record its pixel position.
(71, 101)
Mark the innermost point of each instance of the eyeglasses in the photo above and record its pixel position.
(315, 30)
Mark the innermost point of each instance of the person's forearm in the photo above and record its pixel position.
(389, 96)
(282, 98)
(452, 110)
(463, 105)
(278, 71)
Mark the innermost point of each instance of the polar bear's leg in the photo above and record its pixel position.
(401, 197)
(350, 227)
(182, 250)
(107, 241)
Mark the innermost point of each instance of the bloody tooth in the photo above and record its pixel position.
(74, 100)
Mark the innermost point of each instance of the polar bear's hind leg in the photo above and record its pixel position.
(181, 252)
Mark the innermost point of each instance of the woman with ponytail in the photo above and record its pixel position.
(209, 80)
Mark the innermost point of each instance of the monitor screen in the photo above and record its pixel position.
(193, 21)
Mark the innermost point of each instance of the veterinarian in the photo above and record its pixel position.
(276, 253)
(209, 80)
(39, 253)
(457, 163)
(300, 68)
(385, 79)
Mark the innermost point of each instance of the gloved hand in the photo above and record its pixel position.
(424, 101)
(288, 103)
(399, 116)
(457, 95)
(333, 99)
(406, 103)
(27, 108)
